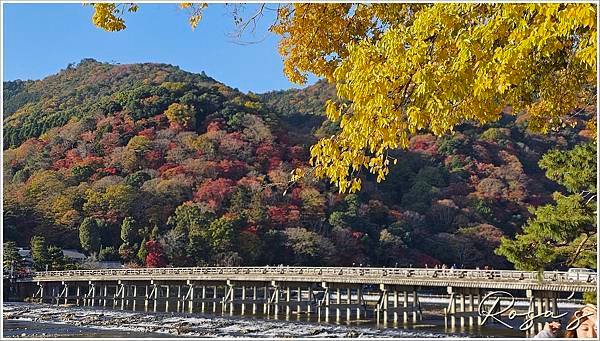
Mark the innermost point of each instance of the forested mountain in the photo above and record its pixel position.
(149, 164)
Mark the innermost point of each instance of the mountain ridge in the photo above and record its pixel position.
(203, 170)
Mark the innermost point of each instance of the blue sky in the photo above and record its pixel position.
(41, 39)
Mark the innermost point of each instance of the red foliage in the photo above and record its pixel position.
(91, 161)
(252, 183)
(88, 136)
(297, 163)
(296, 153)
(170, 172)
(109, 141)
(71, 158)
(395, 215)
(422, 259)
(274, 163)
(283, 216)
(148, 133)
(264, 151)
(232, 143)
(483, 169)
(154, 157)
(107, 171)
(128, 126)
(214, 192)
(295, 195)
(277, 215)
(232, 169)
(213, 126)
(166, 167)
(156, 256)
(357, 234)
(293, 213)
(250, 229)
(424, 144)
(159, 119)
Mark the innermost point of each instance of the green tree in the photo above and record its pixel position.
(82, 173)
(128, 252)
(56, 258)
(223, 232)
(142, 252)
(190, 222)
(39, 253)
(11, 256)
(309, 247)
(128, 230)
(155, 232)
(175, 246)
(90, 235)
(563, 233)
(108, 254)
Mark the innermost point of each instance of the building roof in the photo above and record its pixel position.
(74, 254)
(69, 253)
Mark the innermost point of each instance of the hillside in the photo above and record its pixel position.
(107, 157)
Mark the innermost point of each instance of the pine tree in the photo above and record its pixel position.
(561, 234)
(89, 235)
(39, 253)
(142, 252)
(154, 233)
(11, 256)
(128, 230)
(56, 258)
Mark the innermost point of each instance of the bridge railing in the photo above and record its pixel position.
(456, 274)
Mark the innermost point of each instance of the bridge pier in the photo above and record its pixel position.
(395, 292)
(91, 296)
(352, 302)
(458, 296)
(266, 305)
(540, 302)
(254, 299)
(78, 294)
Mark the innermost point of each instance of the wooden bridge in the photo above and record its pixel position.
(347, 292)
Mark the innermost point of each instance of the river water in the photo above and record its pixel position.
(47, 320)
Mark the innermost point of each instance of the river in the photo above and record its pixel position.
(46, 320)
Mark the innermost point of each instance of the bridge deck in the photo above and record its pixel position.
(484, 279)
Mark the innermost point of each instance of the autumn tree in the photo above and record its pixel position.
(156, 256)
(404, 68)
(563, 233)
(181, 115)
